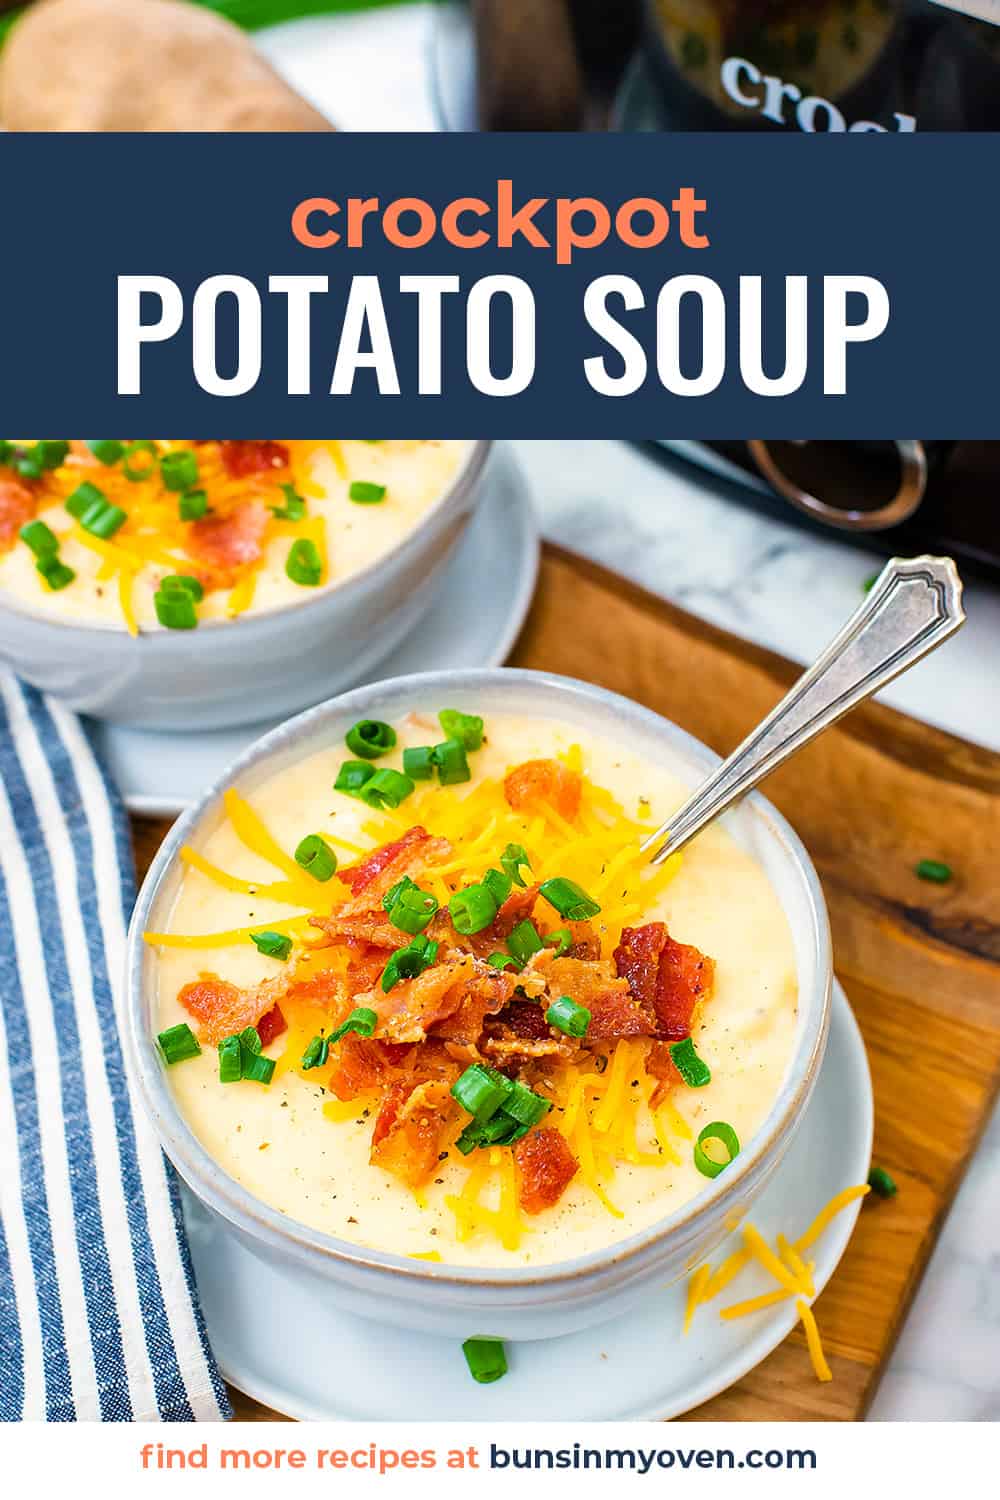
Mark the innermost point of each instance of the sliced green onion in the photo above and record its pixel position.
(83, 497)
(6, 450)
(41, 539)
(258, 1069)
(315, 1054)
(102, 519)
(525, 1106)
(561, 939)
(412, 909)
(502, 961)
(294, 507)
(272, 944)
(386, 788)
(881, 1183)
(498, 885)
(249, 1040)
(568, 1017)
(472, 909)
(394, 892)
(193, 505)
(178, 1043)
(727, 1137)
(183, 583)
(56, 574)
(524, 941)
(107, 451)
(175, 609)
(137, 473)
(179, 469)
(361, 1020)
(352, 776)
(304, 564)
(692, 1068)
(934, 870)
(569, 899)
(418, 762)
(511, 860)
(406, 963)
(364, 493)
(316, 857)
(370, 738)
(481, 1091)
(230, 1060)
(467, 728)
(452, 763)
(50, 452)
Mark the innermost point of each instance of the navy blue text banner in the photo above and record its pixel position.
(553, 286)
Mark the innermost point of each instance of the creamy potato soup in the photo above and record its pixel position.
(163, 534)
(493, 1035)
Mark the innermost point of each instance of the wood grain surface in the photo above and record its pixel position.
(920, 963)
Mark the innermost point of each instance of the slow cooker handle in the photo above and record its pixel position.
(912, 485)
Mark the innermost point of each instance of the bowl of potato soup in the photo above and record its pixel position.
(420, 1023)
(175, 584)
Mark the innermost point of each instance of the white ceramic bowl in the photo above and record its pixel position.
(520, 1303)
(240, 671)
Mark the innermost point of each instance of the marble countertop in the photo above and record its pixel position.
(680, 533)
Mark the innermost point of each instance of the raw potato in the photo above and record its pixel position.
(132, 65)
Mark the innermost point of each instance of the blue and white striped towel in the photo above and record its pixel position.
(99, 1317)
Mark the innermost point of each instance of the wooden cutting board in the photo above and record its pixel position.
(920, 962)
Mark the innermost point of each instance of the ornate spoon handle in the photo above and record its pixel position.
(915, 604)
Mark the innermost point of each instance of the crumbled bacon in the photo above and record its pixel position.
(270, 1025)
(245, 457)
(222, 545)
(362, 1065)
(614, 1012)
(17, 506)
(660, 1065)
(361, 876)
(669, 978)
(222, 1009)
(486, 993)
(410, 1131)
(546, 781)
(545, 1167)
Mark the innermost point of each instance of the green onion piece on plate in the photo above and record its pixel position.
(102, 519)
(50, 452)
(481, 1091)
(294, 507)
(315, 1054)
(561, 939)
(183, 583)
(569, 899)
(249, 1040)
(258, 1069)
(568, 1017)
(503, 961)
(39, 538)
(725, 1136)
(881, 1183)
(175, 609)
(525, 1106)
(370, 738)
(364, 493)
(406, 963)
(361, 1020)
(934, 870)
(386, 788)
(486, 1359)
(394, 892)
(83, 497)
(472, 909)
(418, 762)
(230, 1060)
(412, 909)
(132, 467)
(193, 505)
(304, 564)
(316, 857)
(56, 574)
(511, 861)
(524, 941)
(353, 776)
(178, 1043)
(272, 944)
(468, 728)
(179, 469)
(498, 884)
(452, 763)
(107, 451)
(692, 1068)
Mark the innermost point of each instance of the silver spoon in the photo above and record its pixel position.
(914, 605)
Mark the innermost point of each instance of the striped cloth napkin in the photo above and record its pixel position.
(99, 1316)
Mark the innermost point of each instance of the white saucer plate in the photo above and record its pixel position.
(638, 1368)
(480, 608)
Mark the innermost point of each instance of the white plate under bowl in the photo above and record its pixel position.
(484, 596)
(638, 1368)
